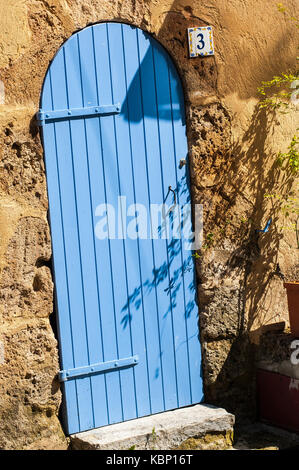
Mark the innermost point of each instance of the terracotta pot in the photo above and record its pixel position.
(293, 304)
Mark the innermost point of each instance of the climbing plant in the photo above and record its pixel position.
(290, 209)
(274, 93)
(280, 94)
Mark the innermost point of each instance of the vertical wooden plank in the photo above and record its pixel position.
(90, 129)
(183, 183)
(158, 185)
(71, 233)
(143, 297)
(105, 287)
(146, 114)
(111, 288)
(59, 262)
(118, 248)
(176, 281)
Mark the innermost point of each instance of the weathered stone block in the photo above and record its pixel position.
(221, 316)
(198, 425)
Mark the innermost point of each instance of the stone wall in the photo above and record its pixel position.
(232, 155)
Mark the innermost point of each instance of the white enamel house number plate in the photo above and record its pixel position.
(201, 41)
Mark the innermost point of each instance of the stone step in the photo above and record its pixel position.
(194, 427)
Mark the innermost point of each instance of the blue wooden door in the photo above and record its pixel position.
(112, 117)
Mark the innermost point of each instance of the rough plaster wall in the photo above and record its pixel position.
(232, 148)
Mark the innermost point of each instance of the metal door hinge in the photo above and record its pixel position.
(43, 117)
(100, 367)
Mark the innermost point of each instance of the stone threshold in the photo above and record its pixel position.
(194, 427)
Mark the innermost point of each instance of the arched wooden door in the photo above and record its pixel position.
(112, 117)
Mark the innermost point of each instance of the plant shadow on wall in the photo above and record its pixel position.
(252, 173)
(230, 316)
(276, 176)
(258, 256)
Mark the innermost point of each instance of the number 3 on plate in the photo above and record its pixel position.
(201, 43)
